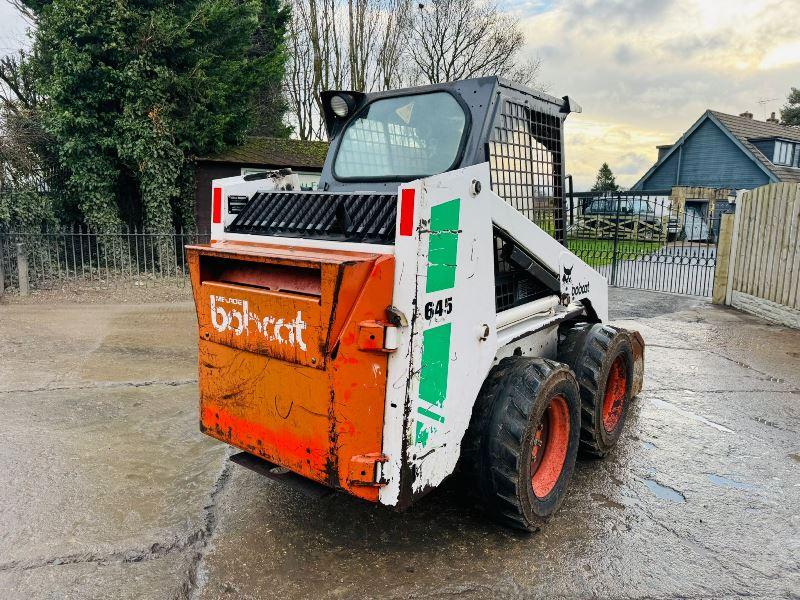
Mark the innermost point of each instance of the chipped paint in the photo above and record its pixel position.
(440, 361)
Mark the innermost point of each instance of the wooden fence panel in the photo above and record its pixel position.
(766, 253)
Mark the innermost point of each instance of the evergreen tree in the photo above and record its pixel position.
(790, 113)
(605, 182)
(133, 90)
(269, 41)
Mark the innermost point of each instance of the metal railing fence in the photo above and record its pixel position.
(110, 259)
(648, 240)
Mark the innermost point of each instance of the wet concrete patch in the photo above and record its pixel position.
(607, 502)
(663, 404)
(114, 482)
(102, 471)
(157, 579)
(768, 423)
(729, 483)
(664, 492)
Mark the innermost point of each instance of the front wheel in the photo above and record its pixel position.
(523, 441)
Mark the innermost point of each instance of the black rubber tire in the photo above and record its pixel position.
(590, 350)
(496, 453)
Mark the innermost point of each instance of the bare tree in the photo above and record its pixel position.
(28, 10)
(369, 45)
(298, 83)
(24, 144)
(338, 44)
(390, 58)
(528, 73)
(448, 40)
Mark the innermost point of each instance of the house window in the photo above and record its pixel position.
(783, 154)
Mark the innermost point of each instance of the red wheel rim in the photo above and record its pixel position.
(549, 448)
(614, 399)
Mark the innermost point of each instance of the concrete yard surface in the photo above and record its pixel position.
(108, 490)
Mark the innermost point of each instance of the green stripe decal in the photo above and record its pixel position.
(435, 364)
(430, 414)
(441, 275)
(433, 379)
(443, 246)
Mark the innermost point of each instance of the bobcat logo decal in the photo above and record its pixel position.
(567, 278)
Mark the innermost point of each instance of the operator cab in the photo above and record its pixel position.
(383, 139)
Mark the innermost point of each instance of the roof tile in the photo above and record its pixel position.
(274, 152)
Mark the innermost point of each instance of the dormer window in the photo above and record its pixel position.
(786, 154)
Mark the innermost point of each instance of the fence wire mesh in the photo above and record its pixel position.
(110, 259)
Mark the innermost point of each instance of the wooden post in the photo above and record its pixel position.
(742, 204)
(22, 270)
(724, 245)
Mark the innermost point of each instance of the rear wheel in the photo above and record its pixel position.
(602, 359)
(522, 444)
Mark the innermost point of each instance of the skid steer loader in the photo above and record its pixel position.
(419, 313)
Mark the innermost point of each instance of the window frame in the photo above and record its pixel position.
(391, 178)
(791, 153)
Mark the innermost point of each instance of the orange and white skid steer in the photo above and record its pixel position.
(418, 312)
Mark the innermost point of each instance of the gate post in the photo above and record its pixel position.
(616, 243)
(722, 266)
(22, 269)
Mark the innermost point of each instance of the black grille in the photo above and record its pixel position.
(512, 285)
(353, 217)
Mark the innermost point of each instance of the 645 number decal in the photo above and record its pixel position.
(439, 308)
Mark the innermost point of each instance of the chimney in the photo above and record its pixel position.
(746, 114)
(773, 119)
(662, 150)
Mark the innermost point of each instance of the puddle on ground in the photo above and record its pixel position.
(664, 491)
(648, 445)
(730, 483)
(690, 415)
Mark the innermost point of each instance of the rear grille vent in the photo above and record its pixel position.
(353, 217)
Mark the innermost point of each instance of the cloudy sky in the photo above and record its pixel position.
(643, 70)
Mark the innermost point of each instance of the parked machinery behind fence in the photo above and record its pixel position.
(418, 314)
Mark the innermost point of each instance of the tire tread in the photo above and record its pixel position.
(491, 450)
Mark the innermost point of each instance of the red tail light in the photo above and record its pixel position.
(407, 212)
(216, 206)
